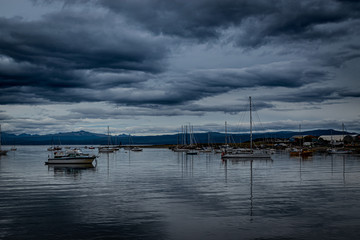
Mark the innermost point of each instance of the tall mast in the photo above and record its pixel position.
(226, 137)
(108, 137)
(250, 125)
(0, 136)
(182, 135)
(343, 129)
(302, 137)
(190, 135)
(209, 139)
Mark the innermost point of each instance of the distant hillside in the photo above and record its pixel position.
(88, 138)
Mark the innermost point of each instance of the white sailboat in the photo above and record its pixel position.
(107, 149)
(250, 153)
(136, 149)
(192, 150)
(131, 146)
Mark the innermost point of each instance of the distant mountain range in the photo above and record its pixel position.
(88, 138)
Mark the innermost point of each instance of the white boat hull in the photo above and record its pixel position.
(71, 160)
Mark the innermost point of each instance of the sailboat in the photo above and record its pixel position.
(53, 147)
(182, 147)
(107, 149)
(248, 154)
(2, 152)
(136, 149)
(207, 149)
(192, 150)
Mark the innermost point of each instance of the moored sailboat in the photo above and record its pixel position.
(108, 148)
(136, 149)
(250, 153)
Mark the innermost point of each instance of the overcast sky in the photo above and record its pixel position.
(149, 66)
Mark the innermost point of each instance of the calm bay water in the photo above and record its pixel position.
(159, 194)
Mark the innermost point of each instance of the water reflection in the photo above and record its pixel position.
(251, 188)
(224, 162)
(244, 162)
(344, 161)
(187, 164)
(73, 170)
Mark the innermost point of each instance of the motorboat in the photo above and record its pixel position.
(71, 156)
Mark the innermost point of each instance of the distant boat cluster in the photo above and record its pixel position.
(226, 151)
(305, 146)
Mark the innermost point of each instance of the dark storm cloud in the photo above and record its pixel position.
(120, 56)
(67, 40)
(206, 83)
(187, 88)
(232, 109)
(312, 95)
(194, 19)
(339, 57)
(152, 110)
(21, 95)
(298, 21)
(283, 74)
(255, 21)
(143, 89)
(65, 52)
(125, 112)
